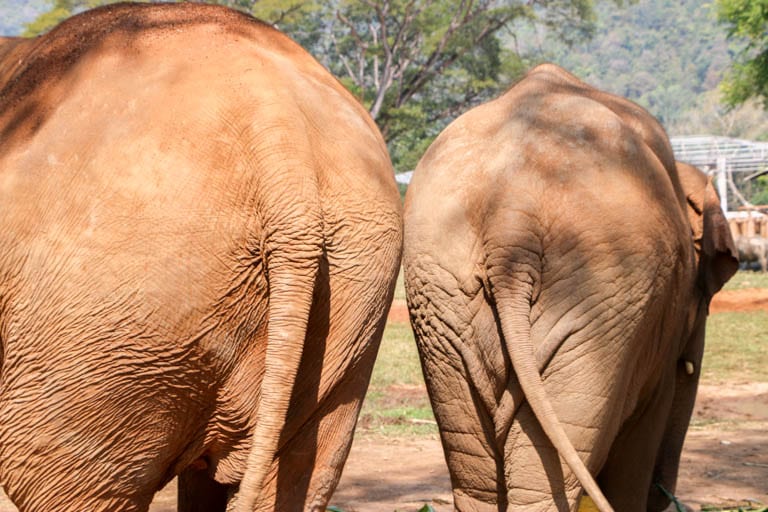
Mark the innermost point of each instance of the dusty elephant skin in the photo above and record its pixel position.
(199, 237)
(551, 232)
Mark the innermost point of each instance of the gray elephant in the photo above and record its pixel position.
(752, 249)
(559, 266)
(199, 238)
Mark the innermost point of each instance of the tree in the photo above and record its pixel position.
(710, 116)
(746, 20)
(415, 64)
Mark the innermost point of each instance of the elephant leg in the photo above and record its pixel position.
(626, 477)
(466, 427)
(588, 406)
(466, 432)
(465, 373)
(536, 479)
(198, 492)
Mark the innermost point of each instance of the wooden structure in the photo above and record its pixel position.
(748, 223)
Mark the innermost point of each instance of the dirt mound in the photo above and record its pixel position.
(749, 299)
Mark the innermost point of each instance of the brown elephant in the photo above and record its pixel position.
(558, 269)
(199, 238)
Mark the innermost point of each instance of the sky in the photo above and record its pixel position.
(15, 13)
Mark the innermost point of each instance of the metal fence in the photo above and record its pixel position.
(734, 162)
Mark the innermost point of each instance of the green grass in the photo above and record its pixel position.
(747, 279)
(736, 347)
(397, 402)
(398, 361)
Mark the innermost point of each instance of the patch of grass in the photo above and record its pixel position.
(397, 402)
(398, 359)
(747, 279)
(413, 417)
(736, 347)
(746, 506)
(400, 286)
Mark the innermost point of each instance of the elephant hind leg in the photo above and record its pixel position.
(466, 429)
(475, 464)
(536, 479)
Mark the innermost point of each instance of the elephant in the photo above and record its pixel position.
(559, 264)
(200, 234)
(753, 249)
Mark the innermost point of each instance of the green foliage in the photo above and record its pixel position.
(746, 20)
(663, 54)
(417, 64)
(14, 15)
(760, 193)
(749, 506)
(710, 115)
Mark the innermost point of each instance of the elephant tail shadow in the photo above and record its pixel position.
(513, 308)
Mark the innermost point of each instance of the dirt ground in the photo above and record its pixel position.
(724, 461)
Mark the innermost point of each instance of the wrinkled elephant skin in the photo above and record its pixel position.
(199, 238)
(551, 232)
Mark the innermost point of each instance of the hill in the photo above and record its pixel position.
(667, 55)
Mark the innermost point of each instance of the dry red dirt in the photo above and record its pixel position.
(724, 461)
(750, 299)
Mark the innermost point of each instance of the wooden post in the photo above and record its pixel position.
(722, 184)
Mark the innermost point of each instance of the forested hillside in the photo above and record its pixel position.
(669, 56)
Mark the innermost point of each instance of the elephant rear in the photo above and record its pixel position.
(547, 232)
(199, 242)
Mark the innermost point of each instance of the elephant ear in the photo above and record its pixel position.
(715, 252)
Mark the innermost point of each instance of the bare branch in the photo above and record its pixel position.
(284, 14)
(436, 66)
(385, 81)
(735, 190)
(343, 58)
(375, 36)
(363, 46)
(460, 18)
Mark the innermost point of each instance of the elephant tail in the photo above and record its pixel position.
(513, 307)
(293, 251)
